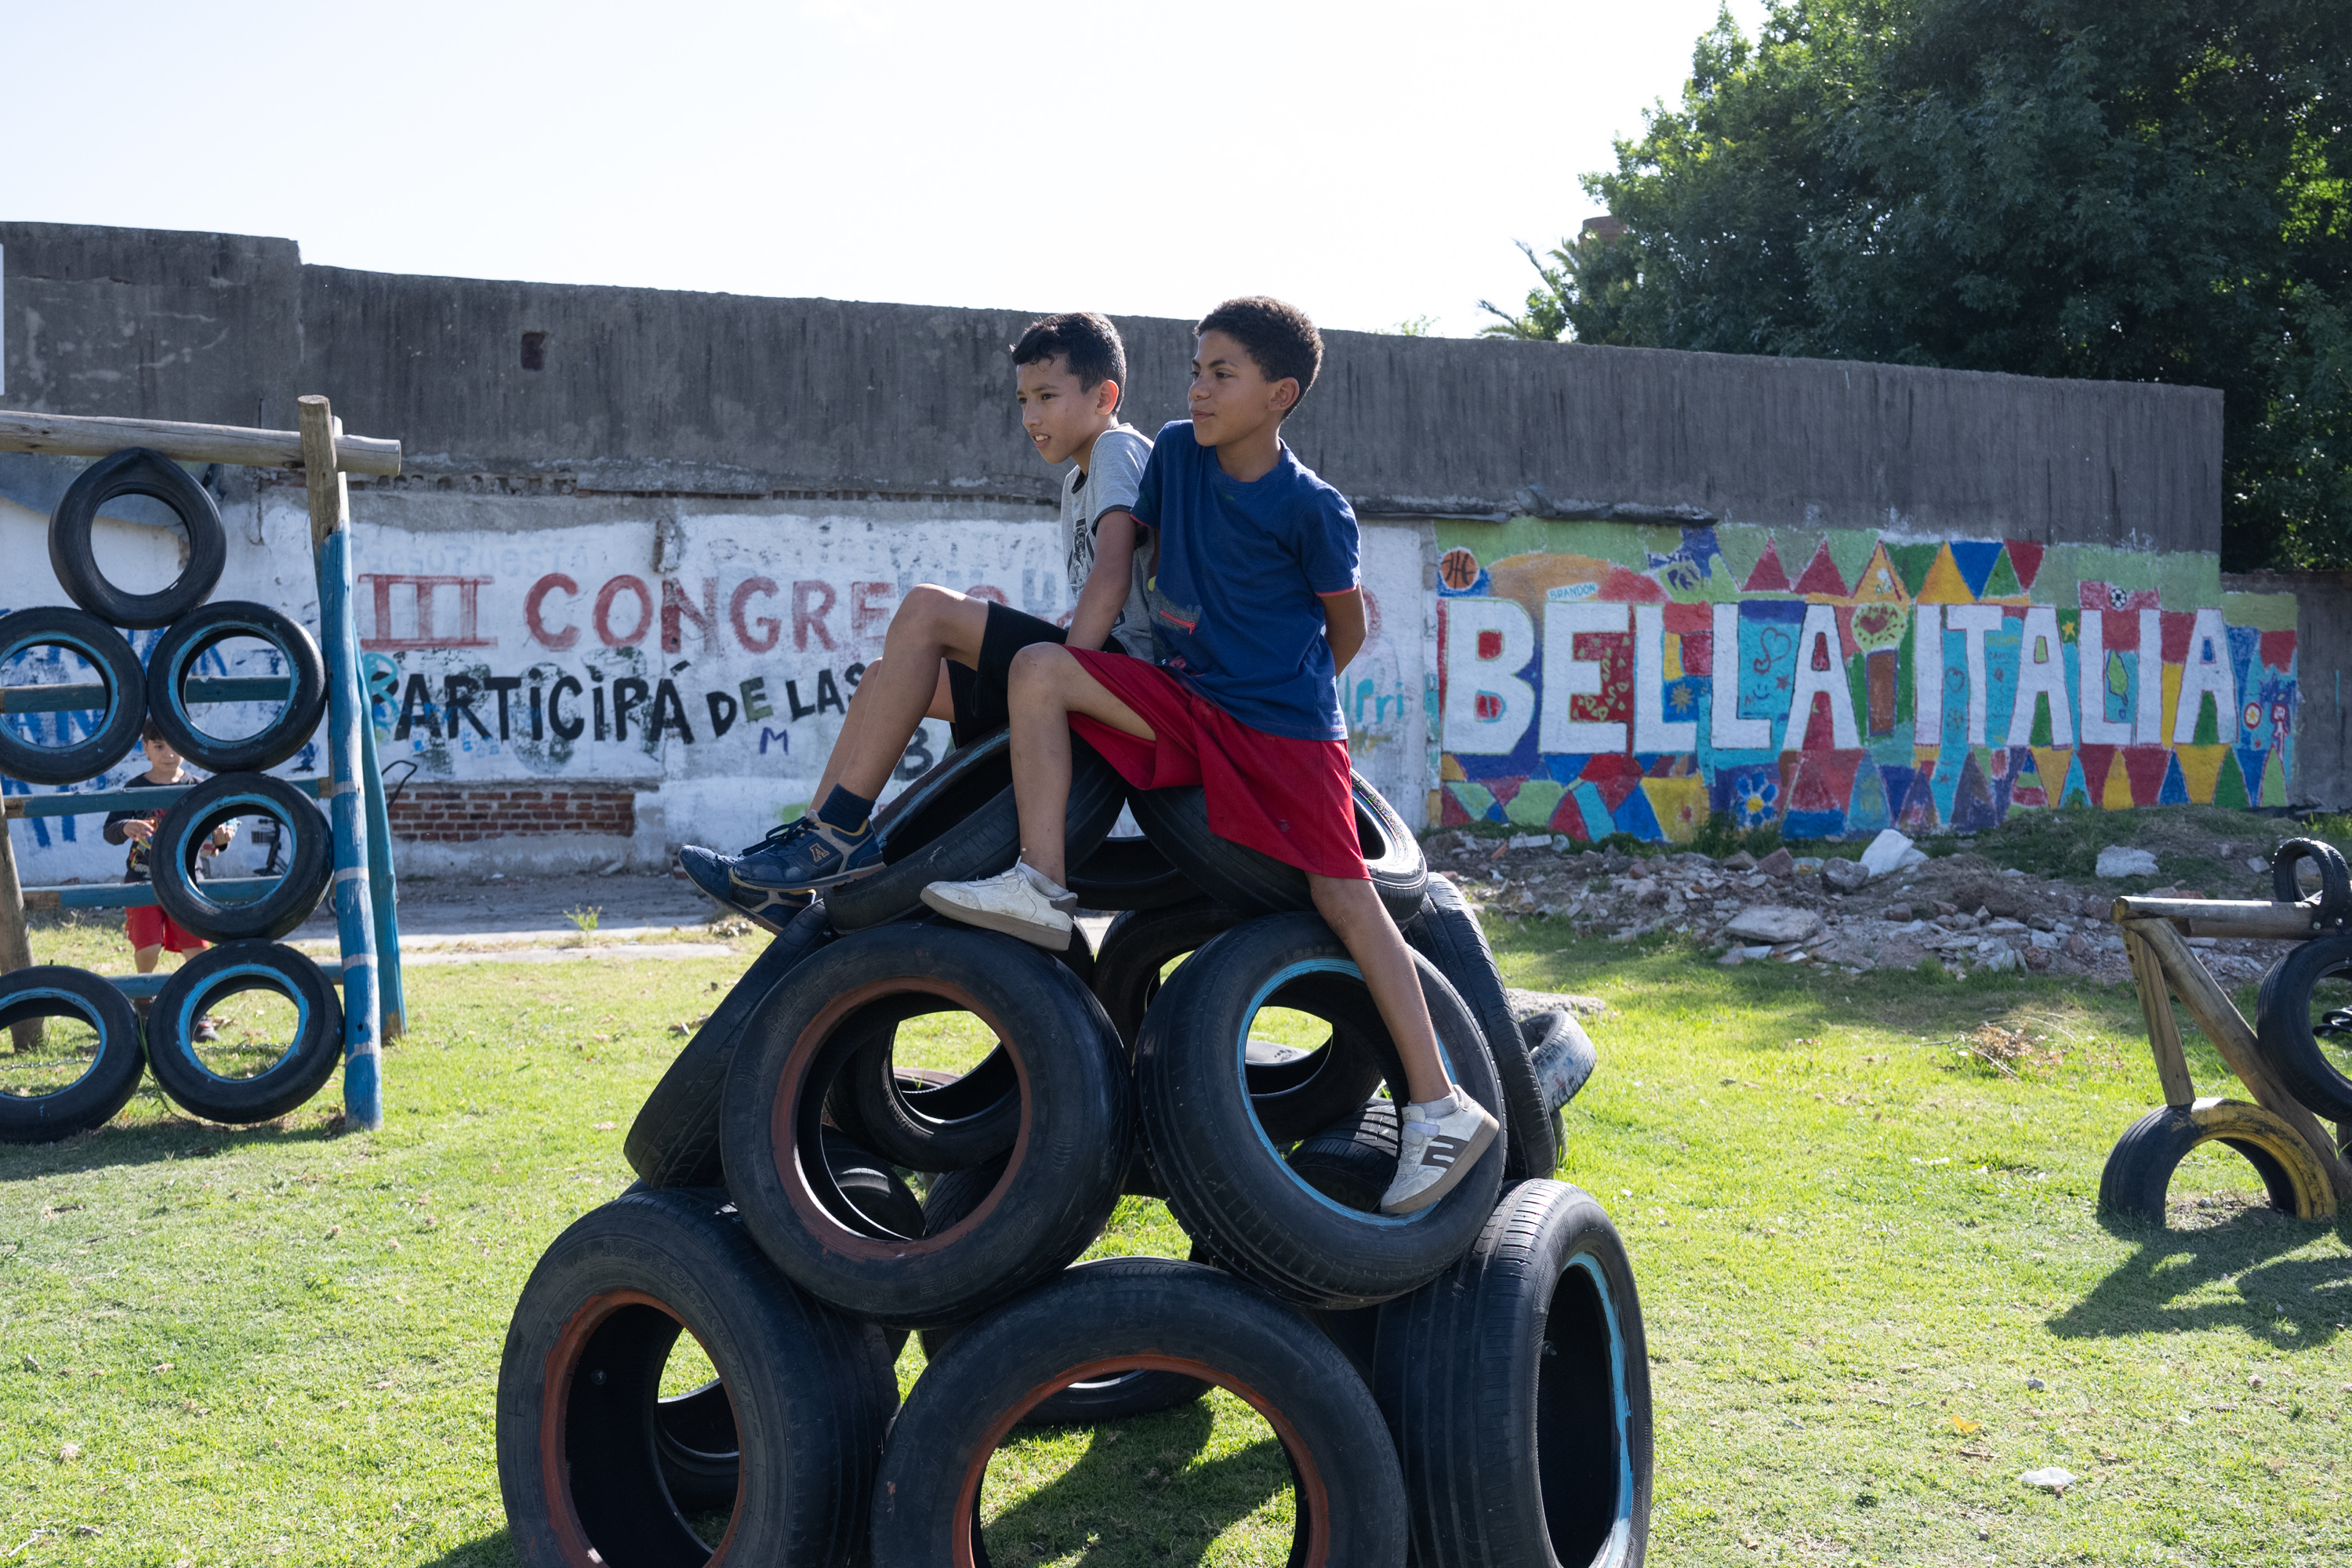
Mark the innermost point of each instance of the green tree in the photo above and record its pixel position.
(2135, 190)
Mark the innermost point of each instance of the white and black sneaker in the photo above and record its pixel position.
(1443, 1139)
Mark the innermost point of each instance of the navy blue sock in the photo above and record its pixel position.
(844, 810)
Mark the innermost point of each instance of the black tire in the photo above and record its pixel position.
(695, 1444)
(2334, 904)
(1061, 1182)
(104, 1087)
(2139, 1168)
(581, 1465)
(1446, 931)
(1115, 1394)
(912, 1119)
(957, 824)
(171, 857)
(197, 985)
(674, 1142)
(1227, 1184)
(140, 472)
(1352, 1161)
(2283, 1027)
(106, 651)
(872, 1187)
(1563, 1056)
(1130, 874)
(1138, 946)
(1517, 1388)
(1170, 1316)
(174, 659)
(1256, 883)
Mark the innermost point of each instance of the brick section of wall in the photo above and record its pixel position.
(450, 815)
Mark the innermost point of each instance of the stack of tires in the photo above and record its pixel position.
(248, 956)
(1466, 1385)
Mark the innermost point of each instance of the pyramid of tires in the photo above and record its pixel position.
(1466, 1385)
(248, 956)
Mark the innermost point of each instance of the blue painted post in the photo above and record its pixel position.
(347, 713)
(382, 889)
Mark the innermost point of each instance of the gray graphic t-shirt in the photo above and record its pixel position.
(1107, 484)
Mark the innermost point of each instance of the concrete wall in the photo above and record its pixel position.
(693, 444)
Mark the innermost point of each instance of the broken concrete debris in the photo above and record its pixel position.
(1959, 912)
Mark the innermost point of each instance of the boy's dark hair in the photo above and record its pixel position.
(1085, 340)
(1277, 337)
(150, 730)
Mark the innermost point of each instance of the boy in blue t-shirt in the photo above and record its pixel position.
(1256, 604)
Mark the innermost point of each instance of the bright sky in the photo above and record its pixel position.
(1371, 161)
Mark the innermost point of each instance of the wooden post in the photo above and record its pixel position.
(2163, 1026)
(346, 711)
(2234, 1038)
(78, 435)
(15, 941)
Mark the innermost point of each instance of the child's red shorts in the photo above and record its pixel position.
(1290, 799)
(151, 927)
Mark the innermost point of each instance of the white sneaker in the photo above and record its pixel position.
(1443, 1139)
(1020, 902)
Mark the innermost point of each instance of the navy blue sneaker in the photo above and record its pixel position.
(707, 869)
(808, 856)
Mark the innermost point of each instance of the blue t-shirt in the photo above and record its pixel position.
(1235, 595)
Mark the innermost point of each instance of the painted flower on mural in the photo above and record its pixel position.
(1753, 798)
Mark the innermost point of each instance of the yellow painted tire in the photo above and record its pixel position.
(2140, 1166)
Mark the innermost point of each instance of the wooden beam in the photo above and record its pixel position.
(75, 435)
(15, 941)
(2234, 1038)
(2225, 917)
(2163, 1024)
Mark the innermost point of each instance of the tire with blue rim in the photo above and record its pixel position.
(197, 986)
(175, 655)
(43, 1112)
(136, 472)
(1446, 931)
(171, 857)
(1228, 1184)
(116, 667)
(1517, 1388)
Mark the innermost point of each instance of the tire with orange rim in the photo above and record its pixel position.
(1180, 1317)
(582, 1428)
(1069, 1150)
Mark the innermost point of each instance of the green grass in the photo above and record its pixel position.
(1855, 1246)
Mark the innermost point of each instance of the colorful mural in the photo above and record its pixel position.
(1594, 679)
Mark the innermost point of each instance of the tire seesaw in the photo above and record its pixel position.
(2293, 1080)
(791, 1135)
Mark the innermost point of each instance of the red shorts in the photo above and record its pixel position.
(151, 927)
(1290, 799)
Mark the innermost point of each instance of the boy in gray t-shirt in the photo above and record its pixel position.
(950, 655)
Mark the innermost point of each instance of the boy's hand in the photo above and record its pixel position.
(142, 831)
(223, 835)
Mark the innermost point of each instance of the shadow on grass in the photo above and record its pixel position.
(482, 1552)
(2294, 1303)
(154, 1142)
(1099, 1506)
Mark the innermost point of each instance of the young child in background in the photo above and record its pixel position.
(946, 654)
(151, 930)
(1256, 601)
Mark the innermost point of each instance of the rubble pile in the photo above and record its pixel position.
(1959, 910)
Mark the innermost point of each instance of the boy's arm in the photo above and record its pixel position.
(1343, 625)
(1105, 594)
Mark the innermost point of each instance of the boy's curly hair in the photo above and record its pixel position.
(1085, 340)
(1275, 334)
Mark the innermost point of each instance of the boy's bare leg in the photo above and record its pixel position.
(854, 725)
(902, 687)
(144, 959)
(1048, 685)
(1356, 915)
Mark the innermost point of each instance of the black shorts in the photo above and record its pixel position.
(979, 694)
